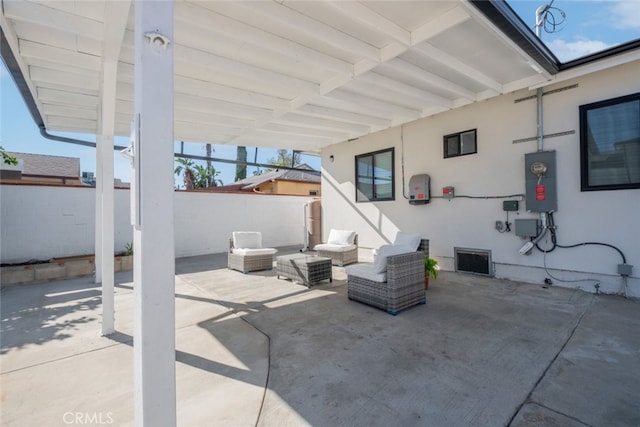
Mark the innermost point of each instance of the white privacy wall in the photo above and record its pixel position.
(497, 169)
(41, 222)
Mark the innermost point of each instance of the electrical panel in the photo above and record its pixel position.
(540, 181)
(419, 191)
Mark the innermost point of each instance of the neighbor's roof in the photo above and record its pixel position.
(49, 166)
(282, 74)
(274, 175)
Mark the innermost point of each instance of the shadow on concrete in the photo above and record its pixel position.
(33, 314)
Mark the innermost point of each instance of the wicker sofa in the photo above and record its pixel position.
(341, 247)
(246, 253)
(400, 286)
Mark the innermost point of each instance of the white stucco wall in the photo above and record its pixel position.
(497, 169)
(39, 222)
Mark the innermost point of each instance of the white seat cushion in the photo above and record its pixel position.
(341, 237)
(334, 247)
(384, 251)
(366, 271)
(260, 251)
(408, 239)
(247, 239)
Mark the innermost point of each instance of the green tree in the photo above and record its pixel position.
(7, 158)
(205, 176)
(209, 149)
(241, 165)
(285, 159)
(185, 167)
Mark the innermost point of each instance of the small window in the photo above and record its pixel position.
(460, 144)
(313, 192)
(610, 144)
(375, 176)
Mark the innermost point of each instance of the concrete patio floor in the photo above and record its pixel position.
(255, 350)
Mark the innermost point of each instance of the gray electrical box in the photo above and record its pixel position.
(419, 192)
(527, 227)
(540, 175)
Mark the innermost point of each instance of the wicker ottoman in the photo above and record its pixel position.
(305, 269)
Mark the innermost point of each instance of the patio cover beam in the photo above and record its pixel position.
(153, 211)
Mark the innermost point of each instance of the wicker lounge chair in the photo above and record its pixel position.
(246, 253)
(341, 247)
(400, 286)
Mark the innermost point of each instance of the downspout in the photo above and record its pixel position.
(47, 135)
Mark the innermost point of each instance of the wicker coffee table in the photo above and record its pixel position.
(305, 269)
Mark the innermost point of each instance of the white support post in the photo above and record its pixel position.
(116, 16)
(98, 224)
(153, 204)
(107, 227)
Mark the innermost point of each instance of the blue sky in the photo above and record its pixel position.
(589, 26)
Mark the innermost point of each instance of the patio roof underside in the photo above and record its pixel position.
(286, 74)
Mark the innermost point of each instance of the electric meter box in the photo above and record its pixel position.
(527, 227)
(419, 192)
(540, 175)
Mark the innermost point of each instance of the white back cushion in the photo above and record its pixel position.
(384, 251)
(247, 239)
(341, 237)
(408, 239)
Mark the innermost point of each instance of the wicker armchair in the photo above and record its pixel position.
(342, 248)
(401, 287)
(246, 253)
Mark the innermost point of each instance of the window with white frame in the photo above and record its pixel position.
(375, 176)
(610, 144)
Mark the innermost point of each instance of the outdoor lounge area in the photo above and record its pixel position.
(255, 350)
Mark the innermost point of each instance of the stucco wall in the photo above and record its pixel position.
(497, 169)
(41, 222)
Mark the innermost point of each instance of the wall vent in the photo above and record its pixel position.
(476, 261)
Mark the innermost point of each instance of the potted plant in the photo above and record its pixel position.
(430, 269)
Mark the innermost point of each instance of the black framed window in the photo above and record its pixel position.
(460, 144)
(375, 176)
(610, 144)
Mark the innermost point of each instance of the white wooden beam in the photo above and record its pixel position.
(226, 29)
(342, 115)
(433, 53)
(439, 24)
(43, 15)
(241, 71)
(404, 90)
(302, 23)
(40, 51)
(402, 67)
(374, 106)
(153, 216)
(367, 17)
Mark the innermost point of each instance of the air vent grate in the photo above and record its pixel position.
(476, 261)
